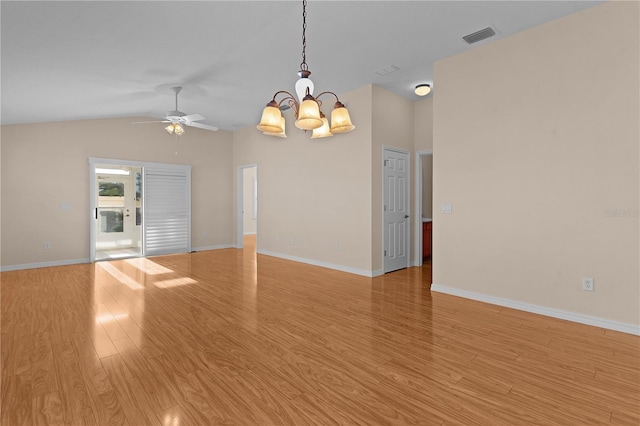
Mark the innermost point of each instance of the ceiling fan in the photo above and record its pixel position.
(179, 119)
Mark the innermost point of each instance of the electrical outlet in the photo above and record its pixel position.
(335, 247)
(292, 241)
(47, 245)
(587, 284)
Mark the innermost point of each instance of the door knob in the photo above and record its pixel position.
(406, 216)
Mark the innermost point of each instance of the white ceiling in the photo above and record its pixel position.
(84, 59)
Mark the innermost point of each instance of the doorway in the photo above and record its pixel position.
(118, 211)
(138, 208)
(424, 209)
(247, 196)
(396, 209)
(424, 206)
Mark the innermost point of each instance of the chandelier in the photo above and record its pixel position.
(306, 107)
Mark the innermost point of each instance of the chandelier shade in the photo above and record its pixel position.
(322, 131)
(309, 114)
(305, 106)
(271, 119)
(281, 133)
(340, 120)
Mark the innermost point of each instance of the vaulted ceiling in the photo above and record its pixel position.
(83, 59)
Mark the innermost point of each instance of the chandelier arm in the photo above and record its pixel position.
(328, 93)
(293, 104)
(289, 99)
(338, 104)
(289, 95)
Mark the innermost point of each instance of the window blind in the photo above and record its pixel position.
(167, 211)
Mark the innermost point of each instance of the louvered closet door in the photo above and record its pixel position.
(167, 210)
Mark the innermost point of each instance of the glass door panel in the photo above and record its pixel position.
(118, 228)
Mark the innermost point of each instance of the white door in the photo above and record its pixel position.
(396, 210)
(115, 204)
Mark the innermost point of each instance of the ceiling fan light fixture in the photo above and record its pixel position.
(423, 89)
(175, 128)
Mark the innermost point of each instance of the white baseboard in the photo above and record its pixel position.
(542, 310)
(328, 265)
(218, 247)
(249, 233)
(43, 264)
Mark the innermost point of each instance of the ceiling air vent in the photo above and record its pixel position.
(483, 34)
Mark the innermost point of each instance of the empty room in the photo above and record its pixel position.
(320, 212)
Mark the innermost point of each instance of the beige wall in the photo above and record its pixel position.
(316, 191)
(535, 144)
(392, 126)
(46, 165)
(423, 124)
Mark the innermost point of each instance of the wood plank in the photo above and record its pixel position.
(246, 339)
(48, 409)
(72, 391)
(16, 400)
(43, 372)
(109, 411)
(159, 395)
(130, 393)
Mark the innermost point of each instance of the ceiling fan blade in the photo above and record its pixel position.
(192, 117)
(145, 122)
(203, 126)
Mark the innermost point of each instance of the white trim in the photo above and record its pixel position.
(250, 233)
(216, 247)
(328, 265)
(44, 264)
(164, 166)
(542, 310)
(93, 211)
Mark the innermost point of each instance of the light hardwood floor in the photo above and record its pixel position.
(225, 337)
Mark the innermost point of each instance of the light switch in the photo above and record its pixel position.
(446, 208)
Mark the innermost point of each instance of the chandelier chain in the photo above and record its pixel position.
(303, 65)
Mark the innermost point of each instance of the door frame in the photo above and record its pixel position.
(417, 261)
(240, 205)
(144, 166)
(408, 203)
